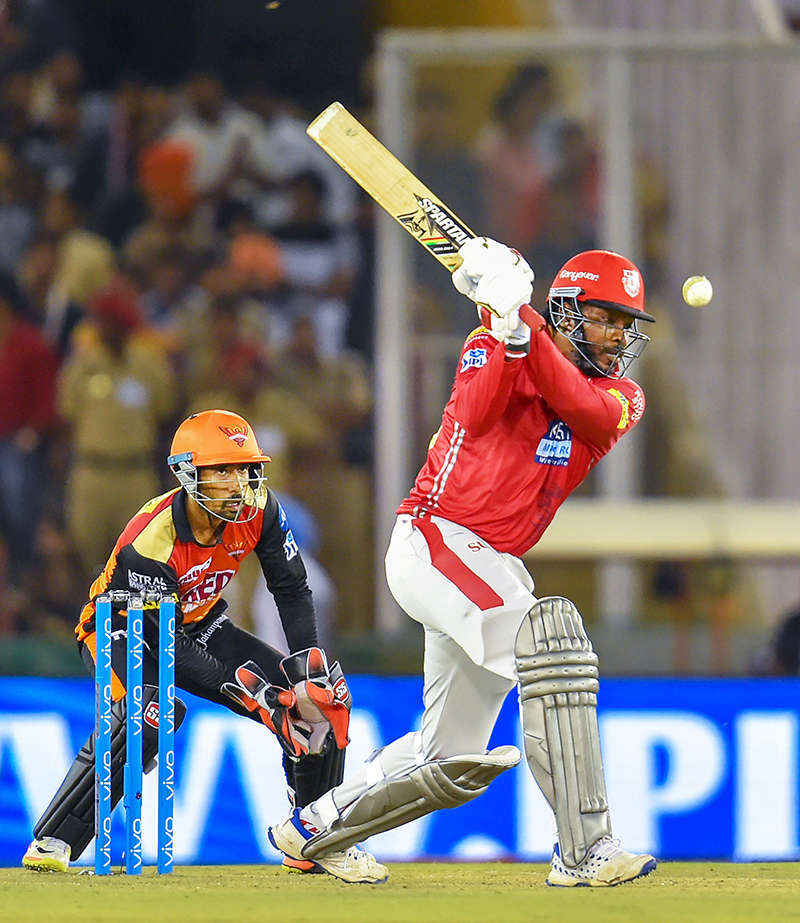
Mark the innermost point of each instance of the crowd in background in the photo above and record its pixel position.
(165, 249)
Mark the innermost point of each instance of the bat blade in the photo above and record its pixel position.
(393, 186)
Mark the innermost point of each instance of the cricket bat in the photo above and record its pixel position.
(395, 188)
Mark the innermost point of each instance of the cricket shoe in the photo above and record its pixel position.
(354, 865)
(301, 866)
(49, 854)
(604, 866)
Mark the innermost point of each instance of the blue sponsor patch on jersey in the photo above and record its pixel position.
(555, 447)
(290, 545)
(473, 359)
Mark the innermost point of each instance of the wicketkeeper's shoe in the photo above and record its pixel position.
(354, 865)
(605, 865)
(48, 854)
(303, 866)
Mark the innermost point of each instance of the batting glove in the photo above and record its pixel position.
(481, 256)
(511, 330)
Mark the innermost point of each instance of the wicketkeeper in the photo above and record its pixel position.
(532, 410)
(189, 543)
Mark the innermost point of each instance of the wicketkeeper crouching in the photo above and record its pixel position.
(189, 543)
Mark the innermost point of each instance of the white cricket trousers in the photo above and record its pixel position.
(471, 600)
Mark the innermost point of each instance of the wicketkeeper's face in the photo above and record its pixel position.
(224, 487)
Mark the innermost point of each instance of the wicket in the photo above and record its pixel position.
(133, 773)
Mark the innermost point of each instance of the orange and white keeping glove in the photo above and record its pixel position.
(322, 697)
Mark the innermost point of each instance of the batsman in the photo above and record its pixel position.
(189, 543)
(533, 408)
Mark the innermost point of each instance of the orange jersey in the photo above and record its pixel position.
(158, 553)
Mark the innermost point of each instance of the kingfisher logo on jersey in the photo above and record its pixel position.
(473, 359)
(555, 447)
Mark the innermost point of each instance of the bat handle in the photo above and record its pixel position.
(532, 318)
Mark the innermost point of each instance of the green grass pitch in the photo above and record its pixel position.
(415, 893)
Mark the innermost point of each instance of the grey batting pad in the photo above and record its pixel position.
(558, 682)
(396, 800)
(70, 815)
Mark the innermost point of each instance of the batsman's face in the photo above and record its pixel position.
(606, 334)
(224, 487)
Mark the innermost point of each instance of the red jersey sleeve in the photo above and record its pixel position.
(598, 410)
(485, 380)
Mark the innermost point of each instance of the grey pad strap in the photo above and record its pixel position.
(558, 683)
(70, 815)
(393, 801)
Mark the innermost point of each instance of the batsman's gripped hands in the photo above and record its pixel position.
(494, 275)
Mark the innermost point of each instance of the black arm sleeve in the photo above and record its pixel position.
(286, 578)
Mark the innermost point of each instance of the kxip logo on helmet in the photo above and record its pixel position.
(631, 281)
(237, 434)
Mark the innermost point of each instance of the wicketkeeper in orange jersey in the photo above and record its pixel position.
(189, 543)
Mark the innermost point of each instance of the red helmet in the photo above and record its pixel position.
(606, 279)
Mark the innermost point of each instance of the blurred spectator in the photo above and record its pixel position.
(284, 149)
(565, 233)
(320, 263)
(512, 155)
(86, 261)
(223, 140)
(115, 392)
(337, 491)
(139, 116)
(27, 380)
(237, 374)
(61, 77)
(781, 655)
(256, 260)
(172, 300)
(18, 216)
(170, 221)
(56, 314)
(65, 156)
(443, 164)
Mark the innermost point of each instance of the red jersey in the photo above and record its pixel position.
(517, 437)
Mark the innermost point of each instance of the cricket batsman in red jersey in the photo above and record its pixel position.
(532, 410)
(189, 543)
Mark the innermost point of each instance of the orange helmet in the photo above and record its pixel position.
(218, 437)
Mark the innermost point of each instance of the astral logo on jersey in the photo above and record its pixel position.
(473, 359)
(146, 582)
(555, 447)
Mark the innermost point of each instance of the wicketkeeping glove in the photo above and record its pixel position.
(322, 698)
(273, 704)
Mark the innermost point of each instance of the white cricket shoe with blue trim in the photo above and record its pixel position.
(605, 865)
(48, 854)
(354, 865)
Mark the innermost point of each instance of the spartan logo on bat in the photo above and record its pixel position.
(434, 227)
